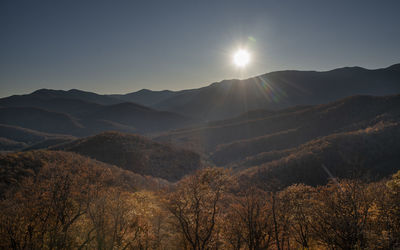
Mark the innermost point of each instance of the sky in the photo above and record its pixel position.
(123, 46)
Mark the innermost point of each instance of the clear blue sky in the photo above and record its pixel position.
(123, 46)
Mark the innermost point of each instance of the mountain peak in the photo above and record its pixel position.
(144, 91)
(78, 91)
(43, 90)
(395, 67)
(349, 69)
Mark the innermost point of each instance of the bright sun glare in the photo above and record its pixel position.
(241, 58)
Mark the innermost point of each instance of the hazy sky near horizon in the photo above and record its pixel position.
(123, 46)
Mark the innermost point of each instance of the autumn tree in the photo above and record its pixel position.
(297, 201)
(196, 203)
(341, 212)
(43, 210)
(249, 221)
(385, 233)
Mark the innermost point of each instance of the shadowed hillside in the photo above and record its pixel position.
(62, 105)
(17, 138)
(266, 131)
(83, 118)
(40, 120)
(370, 153)
(137, 154)
(28, 136)
(141, 118)
(10, 145)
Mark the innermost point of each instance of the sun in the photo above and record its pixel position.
(241, 58)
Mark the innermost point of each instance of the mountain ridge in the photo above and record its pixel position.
(88, 113)
(136, 153)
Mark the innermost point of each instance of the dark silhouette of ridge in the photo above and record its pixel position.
(281, 89)
(75, 94)
(146, 97)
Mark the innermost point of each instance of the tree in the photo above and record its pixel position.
(44, 209)
(196, 204)
(297, 200)
(385, 231)
(248, 221)
(341, 212)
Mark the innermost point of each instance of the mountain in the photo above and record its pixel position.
(73, 102)
(16, 166)
(53, 111)
(370, 153)
(40, 120)
(61, 105)
(274, 106)
(46, 143)
(258, 132)
(146, 97)
(74, 94)
(141, 118)
(281, 89)
(228, 98)
(289, 130)
(17, 138)
(25, 135)
(137, 154)
(10, 145)
(357, 135)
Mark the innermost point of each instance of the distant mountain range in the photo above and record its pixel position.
(275, 90)
(79, 113)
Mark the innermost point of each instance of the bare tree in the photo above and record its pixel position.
(195, 204)
(249, 221)
(341, 213)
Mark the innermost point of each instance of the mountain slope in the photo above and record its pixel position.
(74, 94)
(137, 154)
(40, 120)
(141, 118)
(61, 105)
(52, 114)
(146, 97)
(17, 138)
(277, 90)
(371, 152)
(235, 139)
(25, 135)
(10, 145)
(15, 166)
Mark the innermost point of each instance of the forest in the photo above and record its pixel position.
(80, 205)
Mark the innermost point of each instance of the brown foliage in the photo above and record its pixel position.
(196, 205)
(77, 204)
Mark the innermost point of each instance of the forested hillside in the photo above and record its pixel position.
(75, 204)
(136, 153)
